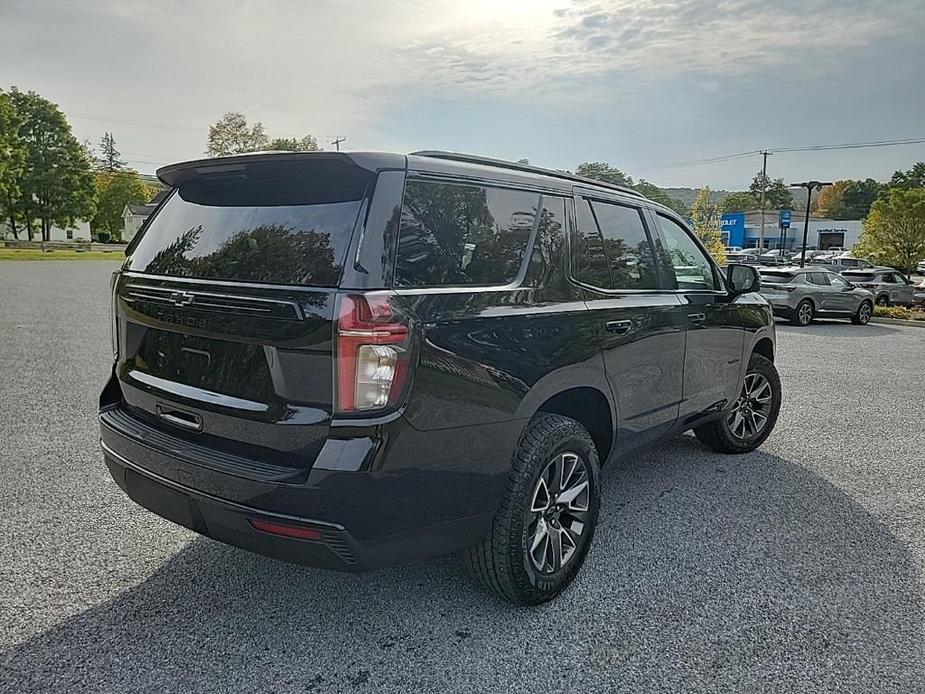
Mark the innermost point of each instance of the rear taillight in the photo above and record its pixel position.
(113, 317)
(868, 285)
(372, 353)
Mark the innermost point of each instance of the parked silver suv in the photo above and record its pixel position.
(802, 293)
(888, 285)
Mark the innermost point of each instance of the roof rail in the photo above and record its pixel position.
(527, 168)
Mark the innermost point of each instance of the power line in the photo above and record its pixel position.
(854, 145)
(811, 148)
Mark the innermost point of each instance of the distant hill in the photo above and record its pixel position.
(687, 195)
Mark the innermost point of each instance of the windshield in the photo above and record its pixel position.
(775, 278)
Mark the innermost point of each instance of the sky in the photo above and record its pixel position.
(642, 84)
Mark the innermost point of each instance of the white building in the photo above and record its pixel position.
(133, 216)
(822, 233)
(81, 232)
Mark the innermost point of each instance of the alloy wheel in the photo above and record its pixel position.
(805, 313)
(750, 413)
(864, 313)
(557, 517)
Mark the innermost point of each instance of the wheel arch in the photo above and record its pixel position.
(765, 347)
(590, 407)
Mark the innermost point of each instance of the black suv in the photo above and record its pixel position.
(349, 360)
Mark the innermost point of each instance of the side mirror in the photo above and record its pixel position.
(742, 279)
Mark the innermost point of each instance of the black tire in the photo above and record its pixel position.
(803, 314)
(863, 314)
(718, 434)
(883, 300)
(501, 562)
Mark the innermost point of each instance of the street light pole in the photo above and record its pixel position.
(809, 185)
(764, 184)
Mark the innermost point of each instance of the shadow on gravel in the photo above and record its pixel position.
(708, 573)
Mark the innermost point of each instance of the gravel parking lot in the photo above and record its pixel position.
(795, 568)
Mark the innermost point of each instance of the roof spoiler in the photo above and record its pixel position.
(173, 175)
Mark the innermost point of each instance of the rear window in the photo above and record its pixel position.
(859, 276)
(288, 226)
(775, 278)
(455, 234)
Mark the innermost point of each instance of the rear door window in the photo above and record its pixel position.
(820, 278)
(627, 246)
(458, 234)
(590, 263)
(289, 230)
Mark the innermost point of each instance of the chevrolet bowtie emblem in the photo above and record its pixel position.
(181, 298)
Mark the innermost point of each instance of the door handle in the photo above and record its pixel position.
(697, 317)
(620, 327)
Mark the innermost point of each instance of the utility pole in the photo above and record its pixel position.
(764, 184)
(809, 185)
(337, 140)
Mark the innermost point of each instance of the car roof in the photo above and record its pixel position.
(425, 162)
(793, 269)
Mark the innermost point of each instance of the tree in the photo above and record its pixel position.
(56, 184)
(776, 194)
(894, 231)
(232, 135)
(115, 190)
(602, 171)
(739, 202)
(291, 144)
(109, 155)
(848, 199)
(706, 217)
(829, 201)
(12, 161)
(913, 178)
(858, 198)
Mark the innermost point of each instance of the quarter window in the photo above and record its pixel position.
(453, 234)
(691, 267)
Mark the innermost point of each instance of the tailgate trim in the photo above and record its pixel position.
(193, 393)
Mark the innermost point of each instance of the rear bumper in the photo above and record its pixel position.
(231, 523)
(421, 495)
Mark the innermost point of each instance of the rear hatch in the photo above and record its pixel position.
(225, 308)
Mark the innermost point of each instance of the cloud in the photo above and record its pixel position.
(653, 38)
